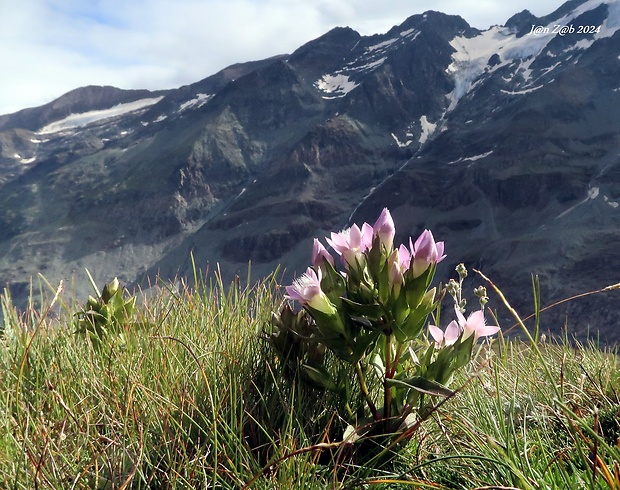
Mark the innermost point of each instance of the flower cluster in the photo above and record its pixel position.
(353, 246)
(370, 308)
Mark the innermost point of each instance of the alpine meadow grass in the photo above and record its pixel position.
(189, 393)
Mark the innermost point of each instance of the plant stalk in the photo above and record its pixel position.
(387, 391)
(365, 392)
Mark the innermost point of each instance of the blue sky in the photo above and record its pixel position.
(48, 47)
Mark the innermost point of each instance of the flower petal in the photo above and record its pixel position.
(367, 236)
(436, 333)
(440, 254)
(487, 330)
(476, 320)
(404, 257)
(320, 254)
(452, 332)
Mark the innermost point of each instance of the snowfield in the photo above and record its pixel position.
(84, 118)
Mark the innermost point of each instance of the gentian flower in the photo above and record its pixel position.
(398, 264)
(307, 290)
(320, 254)
(449, 337)
(425, 252)
(475, 324)
(384, 228)
(351, 243)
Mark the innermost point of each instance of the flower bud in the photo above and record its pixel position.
(384, 228)
(320, 254)
(425, 252)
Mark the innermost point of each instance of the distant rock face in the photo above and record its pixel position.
(503, 142)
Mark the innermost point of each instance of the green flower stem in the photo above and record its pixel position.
(387, 391)
(349, 411)
(365, 392)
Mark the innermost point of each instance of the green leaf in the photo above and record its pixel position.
(415, 288)
(416, 319)
(379, 367)
(363, 343)
(329, 324)
(92, 283)
(332, 284)
(373, 311)
(375, 257)
(422, 385)
(321, 377)
(462, 354)
(400, 308)
(339, 346)
(92, 303)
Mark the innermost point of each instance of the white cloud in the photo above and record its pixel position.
(48, 47)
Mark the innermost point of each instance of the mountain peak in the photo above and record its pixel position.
(337, 40)
(445, 25)
(518, 22)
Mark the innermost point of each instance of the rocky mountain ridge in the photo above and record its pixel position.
(504, 142)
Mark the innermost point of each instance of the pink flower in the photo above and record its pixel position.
(320, 254)
(307, 290)
(449, 337)
(396, 277)
(398, 264)
(384, 228)
(351, 243)
(475, 324)
(404, 257)
(425, 252)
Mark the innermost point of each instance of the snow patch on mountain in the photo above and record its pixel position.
(521, 92)
(85, 118)
(339, 85)
(400, 143)
(471, 57)
(428, 128)
(381, 46)
(25, 161)
(197, 102)
(593, 193)
(472, 159)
